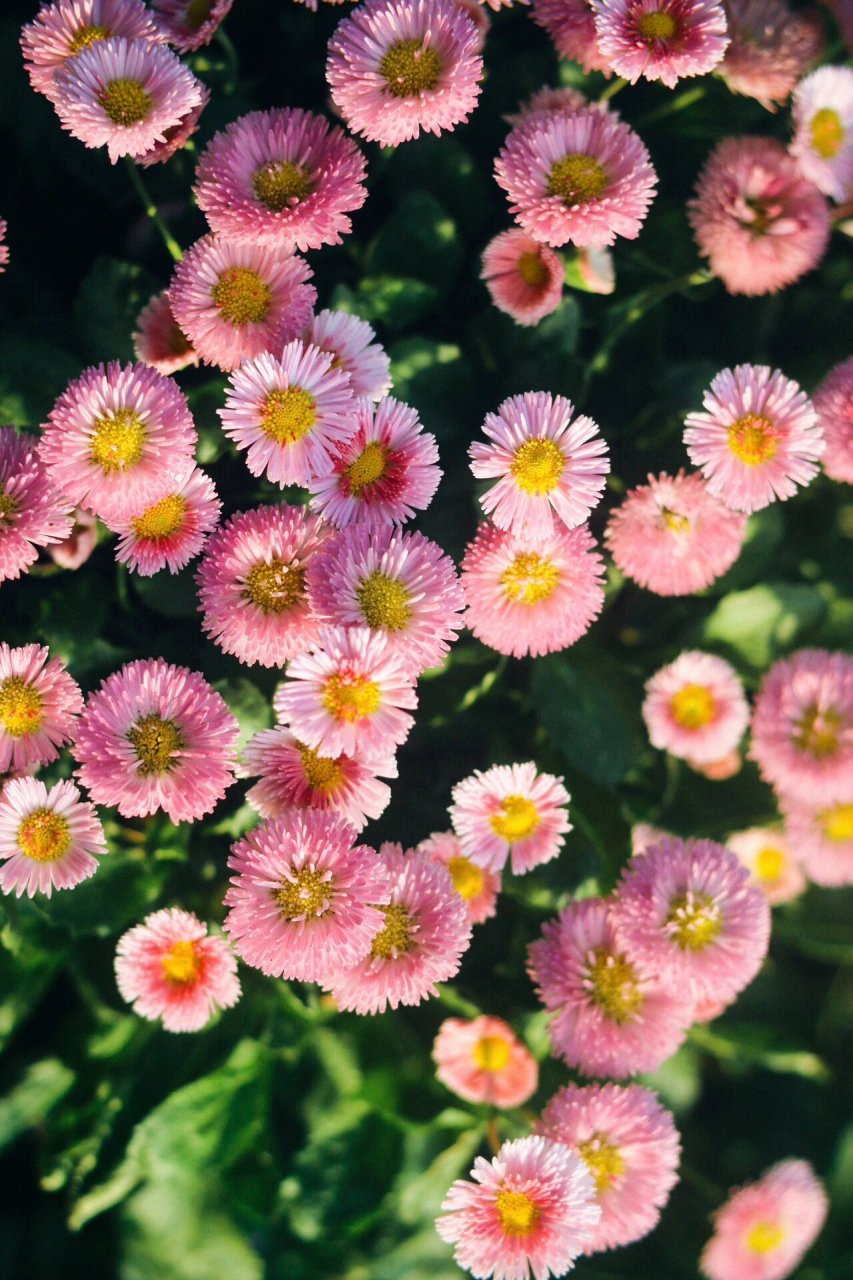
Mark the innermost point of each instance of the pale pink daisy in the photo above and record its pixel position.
(189, 24)
(758, 438)
(159, 341)
(612, 1016)
(770, 49)
(772, 859)
(303, 901)
(523, 277)
(289, 413)
(156, 736)
(421, 942)
(177, 135)
(75, 550)
(584, 178)
(833, 402)
(571, 26)
(385, 472)
(48, 839)
(170, 532)
(484, 1061)
(284, 177)
(33, 513)
(171, 970)
(60, 31)
(564, 100)
(672, 536)
(531, 595)
(630, 1145)
(510, 811)
(348, 695)
(234, 301)
(118, 437)
(546, 465)
(251, 582)
(665, 40)
(760, 223)
(350, 342)
(823, 130)
(764, 1229)
(477, 887)
(39, 704)
(696, 708)
(397, 67)
(821, 839)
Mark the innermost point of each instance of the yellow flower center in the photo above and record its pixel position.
(613, 986)
(307, 894)
(769, 863)
(827, 133)
(156, 743)
(694, 921)
(351, 698)
(516, 819)
(280, 184)
(604, 1161)
(410, 67)
(764, 1237)
(20, 707)
(323, 773)
(674, 522)
(181, 963)
(396, 936)
(384, 601)
(529, 579)
(693, 706)
(753, 439)
(837, 822)
(117, 440)
(288, 414)
(368, 467)
(242, 296)
(125, 102)
(86, 35)
(468, 879)
(576, 178)
(532, 269)
(197, 12)
(275, 587)
(657, 25)
(517, 1212)
(538, 465)
(8, 507)
(491, 1053)
(817, 732)
(44, 836)
(161, 520)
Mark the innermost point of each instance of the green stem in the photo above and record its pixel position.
(678, 103)
(232, 62)
(153, 212)
(612, 89)
(493, 1134)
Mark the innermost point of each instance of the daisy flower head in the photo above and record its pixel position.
(251, 583)
(170, 532)
(178, 134)
(823, 130)
(397, 67)
(758, 438)
(583, 178)
(546, 466)
(189, 24)
(759, 222)
(484, 1061)
(571, 26)
(48, 839)
(423, 937)
(833, 402)
(531, 595)
(477, 887)
(159, 341)
(303, 901)
(510, 810)
(4, 248)
(235, 300)
(75, 550)
(772, 859)
(39, 704)
(766, 1227)
(770, 49)
(33, 513)
(119, 437)
(630, 1145)
(665, 40)
(523, 277)
(385, 472)
(564, 100)
(61, 30)
(350, 342)
(821, 839)
(695, 708)
(171, 970)
(156, 736)
(289, 413)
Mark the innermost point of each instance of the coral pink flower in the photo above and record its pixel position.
(802, 726)
(821, 838)
(285, 177)
(234, 301)
(530, 1209)
(510, 810)
(39, 703)
(756, 218)
(397, 67)
(584, 178)
(523, 277)
(630, 1145)
(155, 736)
(770, 48)
(545, 467)
(189, 24)
(251, 582)
(612, 1016)
(772, 860)
(170, 532)
(170, 969)
(60, 31)
(48, 839)
(571, 26)
(303, 902)
(833, 402)
(289, 413)
(661, 39)
(32, 513)
(384, 473)
(483, 1061)
(758, 438)
(75, 550)
(350, 342)
(823, 130)
(765, 1228)
(175, 137)
(531, 595)
(118, 437)
(477, 887)
(424, 934)
(159, 341)
(696, 708)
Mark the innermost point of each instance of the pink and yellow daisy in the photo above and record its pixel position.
(510, 811)
(771, 857)
(175, 137)
(189, 24)
(170, 532)
(571, 26)
(33, 513)
(820, 837)
(477, 887)
(350, 342)
(61, 30)
(159, 340)
(665, 40)
(48, 839)
(833, 402)
(484, 1061)
(39, 704)
(770, 49)
(695, 708)
(823, 130)
(523, 277)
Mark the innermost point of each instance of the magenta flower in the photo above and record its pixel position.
(833, 402)
(483, 1061)
(159, 341)
(695, 708)
(773, 860)
(48, 839)
(823, 130)
(189, 24)
(770, 48)
(664, 40)
(177, 135)
(61, 30)
(39, 703)
(510, 810)
(33, 513)
(523, 277)
(571, 26)
(477, 887)
(170, 532)
(350, 342)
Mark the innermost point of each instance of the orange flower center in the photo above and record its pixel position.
(117, 440)
(307, 894)
(837, 822)
(161, 520)
(125, 102)
(657, 25)
(322, 773)
(538, 465)
(396, 936)
(530, 578)
(44, 836)
(181, 963)
(468, 879)
(604, 1161)
(156, 743)
(281, 184)
(694, 921)
(491, 1053)
(351, 698)
(817, 732)
(242, 296)
(516, 819)
(770, 863)
(275, 587)
(764, 1237)
(827, 133)
(368, 467)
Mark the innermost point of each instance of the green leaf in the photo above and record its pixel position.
(172, 1230)
(421, 1193)
(419, 238)
(759, 625)
(108, 303)
(171, 594)
(250, 706)
(754, 1044)
(43, 1086)
(393, 301)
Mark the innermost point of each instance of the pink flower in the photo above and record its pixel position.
(169, 968)
(48, 839)
(159, 341)
(820, 838)
(118, 437)
(289, 413)
(155, 736)
(530, 1209)
(765, 1228)
(170, 532)
(510, 810)
(477, 887)
(251, 583)
(758, 438)
(757, 220)
(60, 31)
(644, 835)
(234, 301)
(661, 39)
(75, 550)
(302, 900)
(349, 341)
(672, 537)
(175, 137)
(425, 932)
(189, 24)
(39, 703)
(32, 513)
(772, 860)
(531, 595)
(823, 130)
(571, 26)
(523, 277)
(584, 178)
(564, 100)
(4, 248)
(545, 467)
(629, 1144)
(696, 708)
(286, 178)
(397, 67)
(483, 1061)
(770, 48)
(833, 402)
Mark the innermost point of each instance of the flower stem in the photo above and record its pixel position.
(612, 89)
(153, 212)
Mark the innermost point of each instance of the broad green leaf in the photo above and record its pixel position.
(29, 1102)
(393, 301)
(420, 239)
(759, 625)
